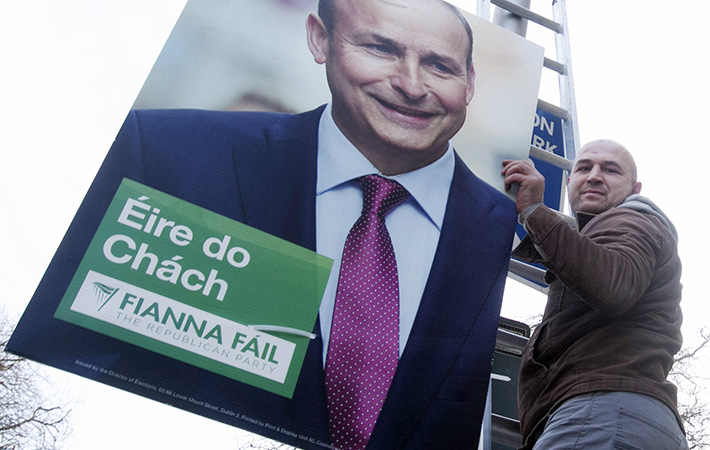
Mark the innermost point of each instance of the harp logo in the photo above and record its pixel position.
(103, 294)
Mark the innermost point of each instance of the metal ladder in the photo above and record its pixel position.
(515, 15)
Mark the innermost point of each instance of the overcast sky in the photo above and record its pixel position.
(69, 71)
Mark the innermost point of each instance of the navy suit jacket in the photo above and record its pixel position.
(260, 169)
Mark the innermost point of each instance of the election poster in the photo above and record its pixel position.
(190, 273)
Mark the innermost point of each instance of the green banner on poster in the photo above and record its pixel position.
(190, 284)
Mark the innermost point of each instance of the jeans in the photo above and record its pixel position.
(612, 420)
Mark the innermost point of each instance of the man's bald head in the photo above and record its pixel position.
(603, 175)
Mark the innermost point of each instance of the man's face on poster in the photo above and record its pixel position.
(400, 77)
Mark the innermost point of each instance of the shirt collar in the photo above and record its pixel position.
(339, 161)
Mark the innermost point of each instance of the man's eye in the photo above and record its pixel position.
(378, 48)
(437, 66)
(443, 68)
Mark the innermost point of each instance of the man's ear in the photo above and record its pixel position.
(636, 188)
(471, 84)
(318, 38)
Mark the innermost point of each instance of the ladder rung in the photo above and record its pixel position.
(549, 157)
(511, 340)
(505, 431)
(552, 109)
(554, 65)
(527, 14)
(527, 271)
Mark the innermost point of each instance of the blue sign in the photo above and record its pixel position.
(547, 135)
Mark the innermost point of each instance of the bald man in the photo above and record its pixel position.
(593, 374)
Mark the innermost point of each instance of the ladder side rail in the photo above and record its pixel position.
(566, 82)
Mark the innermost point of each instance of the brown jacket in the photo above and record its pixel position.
(612, 319)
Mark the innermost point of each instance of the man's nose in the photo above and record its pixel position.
(594, 175)
(409, 80)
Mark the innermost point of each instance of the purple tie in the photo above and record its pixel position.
(364, 338)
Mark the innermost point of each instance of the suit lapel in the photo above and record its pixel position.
(455, 303)
(277, 178)
(277, 184)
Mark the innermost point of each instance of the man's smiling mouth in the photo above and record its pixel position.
(406, 111)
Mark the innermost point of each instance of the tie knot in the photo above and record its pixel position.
(381, 195)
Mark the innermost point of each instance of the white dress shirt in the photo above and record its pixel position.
(414, 226)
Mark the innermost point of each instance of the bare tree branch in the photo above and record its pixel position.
(692, 407)
(29, 418)
(262, 443)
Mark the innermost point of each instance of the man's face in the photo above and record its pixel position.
(602, 177)
(398, 76)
